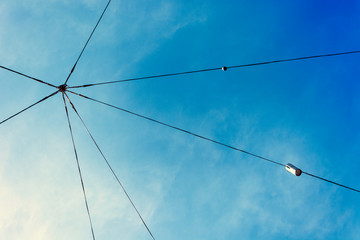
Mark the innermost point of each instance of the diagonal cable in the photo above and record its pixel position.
(117, 179)
(180, 129)
(208, 139)
(219, 68)
(78, 165)
(73, 68)
(24, 75)
(41, 100)
(326, 180)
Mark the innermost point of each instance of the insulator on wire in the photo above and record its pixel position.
(294, 170)
(224, 68)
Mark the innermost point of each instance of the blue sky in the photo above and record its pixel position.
(306, 113)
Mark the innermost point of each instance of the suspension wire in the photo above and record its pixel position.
(24, 75)
(219, 68)
(208, 139)
(108, 164)
(78, 165)
(179, 129)
(29, 107)
(326, 180)
(73, 68)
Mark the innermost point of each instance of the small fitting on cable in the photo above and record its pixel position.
(294, 170)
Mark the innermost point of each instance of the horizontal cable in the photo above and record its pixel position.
(24, 75)
(73, 68)
(29, 107)
(142, 78)
(179, 129)
(208, 139)
(218, 68)
(79, 170)
(116, 177)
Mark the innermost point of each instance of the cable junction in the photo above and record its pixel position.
(207, 139)
(111, 169)
(223, 68)
(64, 88)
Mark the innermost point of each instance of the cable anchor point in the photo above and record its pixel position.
(62, 88)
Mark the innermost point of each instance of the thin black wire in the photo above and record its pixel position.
(326, 180)
(73, 68)
(117, 179)
(218, 68)
(180, 129)
(208, 139)
(78, 165)
(28, 107)
(24, 75)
